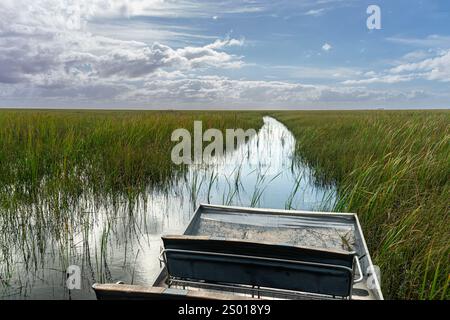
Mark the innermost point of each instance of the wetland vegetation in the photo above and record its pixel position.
(393, 169)
(72, 182)
(61, 169)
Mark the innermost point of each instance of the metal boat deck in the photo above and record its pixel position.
(306, 229)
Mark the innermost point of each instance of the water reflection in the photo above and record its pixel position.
(122, 241)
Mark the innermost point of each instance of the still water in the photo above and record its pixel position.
(122, 242)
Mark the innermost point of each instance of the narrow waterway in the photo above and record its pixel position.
(124, 245)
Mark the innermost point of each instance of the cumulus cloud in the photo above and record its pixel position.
(49, 53)
(222, 91)
(326, 47)
(436, 68)
(431, 64)
(411, 67)
(46, 43)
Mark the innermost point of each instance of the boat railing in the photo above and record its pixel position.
(260, 274)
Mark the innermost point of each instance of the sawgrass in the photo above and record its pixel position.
(393, 169)
(55, 165)
(105, 151)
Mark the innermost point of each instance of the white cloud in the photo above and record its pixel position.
(436, 68)
(430, 41)
(380, 79)
(304, 72)
(92, 9)
(222, 91)
(54, 51)
(416, 55)
(43, 44)
(148, 32)
(315, 12)
(326, 47)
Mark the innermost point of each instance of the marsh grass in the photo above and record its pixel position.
(295, 189)
(107, 151)
(392, 168)
(263, 180)
(59, 169)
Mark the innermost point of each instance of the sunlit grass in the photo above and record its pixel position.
(106, 151)
(393, 169)
(59, 169)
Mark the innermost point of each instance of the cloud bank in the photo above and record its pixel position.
(49, 55)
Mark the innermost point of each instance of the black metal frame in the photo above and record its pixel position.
(252, 290)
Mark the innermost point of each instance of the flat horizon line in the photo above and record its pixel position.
(224, 109)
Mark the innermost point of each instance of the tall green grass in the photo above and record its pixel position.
(393, 169)
(50, 151)
(59, 168)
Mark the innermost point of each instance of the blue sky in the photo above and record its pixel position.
(224, 54)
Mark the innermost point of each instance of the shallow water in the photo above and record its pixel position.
(123, 242)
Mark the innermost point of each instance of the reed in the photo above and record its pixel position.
(392, 168)
(60, 169)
